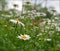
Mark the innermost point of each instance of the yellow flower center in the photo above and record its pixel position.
(23, 37)
(17, 20)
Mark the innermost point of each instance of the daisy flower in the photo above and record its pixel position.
(17, 22)
(24, 37)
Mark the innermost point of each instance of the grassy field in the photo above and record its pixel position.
(29, 33)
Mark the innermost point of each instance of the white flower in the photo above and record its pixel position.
(38, 14)
(51, 10)
(58, 28)
(16, 4)
(17, 22)
(42, 14)
(57, 25)
(57, 18)
(50, 21)
(24, 37)
(48, 39)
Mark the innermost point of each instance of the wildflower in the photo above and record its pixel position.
(17, 22)
(48, 39)
(51, 33)
(50, 21)
(38, 14)
(52, 10)
(56, 18)
(42, 14)
(14, 5)
(24, 37)
(58, 28)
